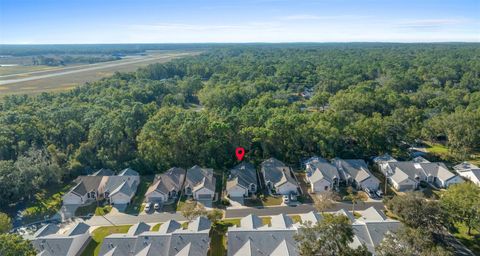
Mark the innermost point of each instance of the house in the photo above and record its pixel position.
(170, 239)
(242, 180)
(166, 186)
(253, 238)
(469, 171)
(382, 161)
(371, 229)
(355, 172)
(278, 177)
(120, 189)
(47, 241)
(321, 175)
(87, 189)
(407, 175)
(200, 183)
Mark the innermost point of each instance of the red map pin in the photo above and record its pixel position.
(240, 152)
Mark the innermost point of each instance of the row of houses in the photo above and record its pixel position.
(104, 184)
(407, 175)
(323, 175)
(251, 237)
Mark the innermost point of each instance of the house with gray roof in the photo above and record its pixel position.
(468, 171)
(47, 241)
(356, 173)
(171, 239)
(407, 175)
(242, 180)
(382, 161)
(251, 238)
(166, 186)
(200, 183)
(321, 175)
(88, 189)
(120, 189)
(278, 177)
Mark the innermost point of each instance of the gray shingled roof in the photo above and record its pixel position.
(243, 174)
(103, 172)
(438, 170)
(170, 180)
(465, 166)
(46, 230)
(356, 168)
(319, 170)
(169, 227)
(48, 243)
(78, 229)
(198, 177)
(264, 241)
(86, 184)
(128, 172)
(277, 172)
(251, 222)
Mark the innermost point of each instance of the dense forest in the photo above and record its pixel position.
(290, 102)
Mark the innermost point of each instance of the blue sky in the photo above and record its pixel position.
(170, 21)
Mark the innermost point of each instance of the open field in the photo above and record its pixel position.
(59, 79)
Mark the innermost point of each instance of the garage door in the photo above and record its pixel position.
(204, 196)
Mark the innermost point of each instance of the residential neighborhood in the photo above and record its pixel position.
(155, 232)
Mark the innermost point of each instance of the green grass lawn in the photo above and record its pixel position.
(436, 148)
(93, 248)
(100, 211)
(296, 218)
(156, 227)
(136, 206)
(47, 202)
(471, 241)
(266, 201)
(267, 221)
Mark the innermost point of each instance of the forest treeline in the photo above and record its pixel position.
(366, 100)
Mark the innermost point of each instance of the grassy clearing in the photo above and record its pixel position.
(47, 202)
(471, 241)
(136, 206)
(93, 248)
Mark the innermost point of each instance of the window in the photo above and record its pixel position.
(326, 188)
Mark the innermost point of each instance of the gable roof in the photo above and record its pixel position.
(243, 174)
(465, 166)
(438, 170)
(198, 177)
(128, 172)
(384, 159)
(170, 180)
(138, 228)
(355, 168)
(277, 172)
(86, 184)
(46, 242)
(199, 224)
(312, 217)
(46, 230)
(169, 226)
(318, 170)
(372, 214)
(281, 221)
(251, 221)
(79, 229)
(103, 172)
(123, 188)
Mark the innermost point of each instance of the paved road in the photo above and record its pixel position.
(90, 67)
(303, 208)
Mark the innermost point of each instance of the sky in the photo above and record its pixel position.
(190, 21)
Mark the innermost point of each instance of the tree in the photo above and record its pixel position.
(5, 223)
(409, 241)
(417, 212)
(192, 210)
(462, 203)
(15, 245)
(215, 215)
(325, 200)
(355, 197)
(330, 236)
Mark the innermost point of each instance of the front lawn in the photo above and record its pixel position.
(265, 201)
(93, 248)
(101, 211)
(135, 206)
(156, 227)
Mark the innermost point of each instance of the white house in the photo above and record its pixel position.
(242, 180)
(200, 183)
(356, 173)
(166, 186)
(469, 171)
(382, 162)
(321, 175)
(120, 189)
(88, 189)
(279, 177)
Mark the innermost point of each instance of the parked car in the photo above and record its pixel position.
(293, 197)
(379, 193)
(156, 206)
(286, 199)
(147, 207)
